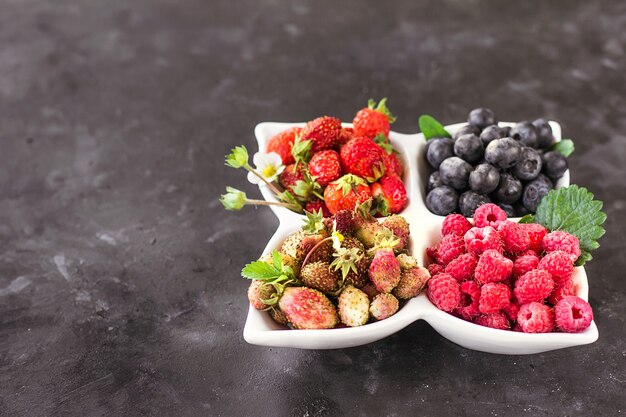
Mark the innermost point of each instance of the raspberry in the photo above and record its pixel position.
(562, 241)
(573, 314)
(536, 232)
(525, 263)
(478, 240)
(444, 292)
(514, 237)
(451, 246)
(559, 265)
(435, 269)
(493, 267)
(431, 252)
(561, 291)
(455, 224)
(488, 215)
(468, 306)
(511, 311)
(462, 268)
(493, 298)
(494, 320)
(535, 285)
(536, 318)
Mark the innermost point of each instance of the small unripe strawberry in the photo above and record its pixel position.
(367, 232)
(400, 228)
(407, 261)
(320, 276)
(322, 253)
(306, 308)
(384, 271)
(353, 306)
(370, 290)
(412, 282)
(259, 291)
(384, 305)
(278, 316)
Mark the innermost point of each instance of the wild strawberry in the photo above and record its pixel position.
(353, 306)
(290, 176)
(323, 133)
(306, 308)
(258, 291)
(370, 290)
(343, 221)
(383, 306)
(393, 164)
(278, 316)
(325, 167)
(384, 271)
(407, 261)
(373, 120)
(367, 227)
(282, 143)
(346, 193)
(319, 276)
(345, 135)
(400, 228)
(350, 260)
(362, 157)
(412, 282)
(316, 205)
(390, 195)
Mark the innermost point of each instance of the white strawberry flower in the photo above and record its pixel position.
(269, 165)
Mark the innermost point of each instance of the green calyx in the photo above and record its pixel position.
(364, 210)
(346, 260)
(314, 222)
(385, 239)
(301, 150)
(378, 170)
(234, 199)
(381, 140)
(305, 189)
(290, 200)
(349, 182)
(382, 108)
(238, 157)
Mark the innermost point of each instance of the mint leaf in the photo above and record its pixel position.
(572, 209)
(431, 128)
(565, 146)
(261, 271)
(529, 218)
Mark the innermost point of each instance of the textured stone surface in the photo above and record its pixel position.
(119, 271)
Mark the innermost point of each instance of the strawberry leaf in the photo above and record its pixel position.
(260, 270)
(431, 128)
(277, 260)
(565, 146)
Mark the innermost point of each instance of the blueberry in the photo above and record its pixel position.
(544, 133)
(481, 118)
(503, 153)
(438, 150)
(442, 200)
(506, 131)
(535, 191)
(490, 133)
(508, 209)
(434, 181)
(509, 189)
(554, 164)
(520, 209)
(529, 165)
(469, 201)
(469, 148)
(465, 130)
(526, 133)
(484, 179)
(455, 173)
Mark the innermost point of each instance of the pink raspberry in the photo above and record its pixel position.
(511, 311)
(573, 314)
(478, 240)
(514, 237)
(559, 265)
(444, 292)
(536, 318)
(494, 320)
(462, 268)
(561, 291)
(493, 297)
(435, 269)
(431, 252)
(525, 263)
(451, 246)
(536, 232)
(563, 241)
(488, 215)
(455, 224)
(535, 285)
(493, 267)
(468, 306)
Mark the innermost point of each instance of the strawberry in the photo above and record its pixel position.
(258, 291)
(384, 305)
(390, 195)
(384, 271)
(353, 307)
(319, 276)
(350, 259)
(316, 205)
(400, 228)
(306, 308)
(412, 282)
(291, 175)
(323, 133)
(346, 193)
(325, 167)
(278, 316)
(345, 135)
(393, 164)
(282, 143)
(362, 157)
(373, 120)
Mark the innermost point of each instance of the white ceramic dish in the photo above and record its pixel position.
(260, 329)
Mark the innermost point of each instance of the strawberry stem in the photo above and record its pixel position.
(262, 178)
(268, 203)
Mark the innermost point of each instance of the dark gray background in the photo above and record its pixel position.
(120, 292)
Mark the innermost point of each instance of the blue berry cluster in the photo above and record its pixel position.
(484, 162)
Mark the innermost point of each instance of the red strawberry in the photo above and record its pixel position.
(384, 271)
(373, 120)
(282, 144)
(346, 193)
(316, 205)
(363, 157)
(291, 175)
(390, 195)
(323, 132)
(393, 164)
(325, 167)
(306, 308)
(345, 135)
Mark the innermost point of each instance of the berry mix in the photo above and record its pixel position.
(344, 270)
(483, 162)
(506, 275)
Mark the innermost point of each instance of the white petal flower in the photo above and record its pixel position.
(269, 165)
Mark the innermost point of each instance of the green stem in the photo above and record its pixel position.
(268, 203)
(262, 178)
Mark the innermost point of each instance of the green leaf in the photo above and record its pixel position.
(260, 270)
(277, 260)
(238, 157)
(572, 209)
(431, 128)
(565, 146)
(529, 218)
